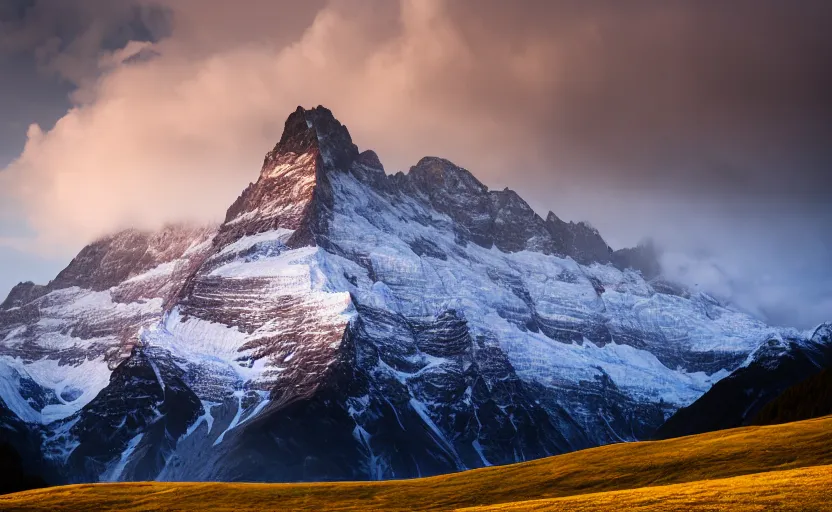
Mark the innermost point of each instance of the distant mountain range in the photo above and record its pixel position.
(347, 324)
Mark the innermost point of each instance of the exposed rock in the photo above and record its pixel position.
(455, 192)
(644, 258)
(580, 241)
(22, 294)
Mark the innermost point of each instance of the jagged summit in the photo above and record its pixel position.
(823, 333)
(369, 158)
(298, 132)
(433, 172)
(294, 192)
(22, 293)
(316, 130)
(314, 143)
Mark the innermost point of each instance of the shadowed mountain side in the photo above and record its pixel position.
(13, 476)
(769, 371)
(811, 398)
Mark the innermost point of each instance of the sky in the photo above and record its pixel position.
(705, 126)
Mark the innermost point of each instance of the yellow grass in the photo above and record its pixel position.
(716, 455)
(792, 490)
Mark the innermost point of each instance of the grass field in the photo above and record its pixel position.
(648, 475)
(791, 490)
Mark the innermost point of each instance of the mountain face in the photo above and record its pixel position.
(14, 476)
(343, 323)
(771, 369)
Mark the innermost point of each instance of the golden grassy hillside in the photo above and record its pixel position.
(715, 455)
(802, 489)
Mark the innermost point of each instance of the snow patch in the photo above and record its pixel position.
(113, 474)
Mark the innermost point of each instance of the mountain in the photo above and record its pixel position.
(770, 370)
(343, 323)
(810, 398)
(14, 476)
(20, 455)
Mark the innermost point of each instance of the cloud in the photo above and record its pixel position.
(149, 132)
(640, 117)
(67, 38)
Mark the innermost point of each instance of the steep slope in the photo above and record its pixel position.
(769, 371)
(343, 323)
(21, 460)
(60, 342)
(810, 398)
(796, 490)
(13, 475)
(699, 461)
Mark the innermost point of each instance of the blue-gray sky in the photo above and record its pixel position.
(706, 125)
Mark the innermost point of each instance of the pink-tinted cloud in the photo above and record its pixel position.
(179, 135)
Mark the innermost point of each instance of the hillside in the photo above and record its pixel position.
(794, 490)
(810, 398)
(694, 459)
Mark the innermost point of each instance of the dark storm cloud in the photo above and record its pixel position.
(25, 98)
(719, 97)
(65, 38)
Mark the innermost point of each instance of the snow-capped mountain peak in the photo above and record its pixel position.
(343, 323)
